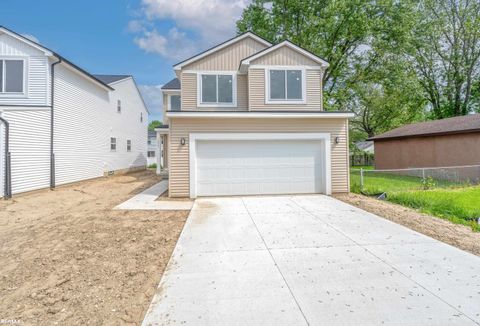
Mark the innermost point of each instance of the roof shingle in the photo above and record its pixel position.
(463, 124)
(173, 84)
(108, 79)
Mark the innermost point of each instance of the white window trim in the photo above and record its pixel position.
(169, 97)
(23, 94)
(268, 100)
(217, 105)
(194, 137)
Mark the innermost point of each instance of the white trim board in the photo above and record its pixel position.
(194, 137)
(261, 114)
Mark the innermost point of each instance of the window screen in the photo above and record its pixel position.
(14, 76)
(175, 102)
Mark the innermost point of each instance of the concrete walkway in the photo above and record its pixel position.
(147, 200)
(310, 260)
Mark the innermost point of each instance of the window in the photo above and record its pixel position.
(175, 101)
(119, 106)
(11, 76)
(217, 90)
(151, 154)
(285, 86)
(141, 116)
(149, 142)
(129, 145)
(113, 144)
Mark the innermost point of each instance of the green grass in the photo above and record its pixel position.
(461, 206)
(458, 203)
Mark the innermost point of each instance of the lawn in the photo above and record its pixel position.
(454, 202)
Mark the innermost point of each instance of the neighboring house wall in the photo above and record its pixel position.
(433, 151)
(36, 71)
(86, 118)
(182, 127)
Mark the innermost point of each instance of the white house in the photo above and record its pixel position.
(59, 124)
(152, 152)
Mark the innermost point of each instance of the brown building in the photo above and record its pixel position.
(439, 143)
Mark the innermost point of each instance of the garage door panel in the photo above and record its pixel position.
(259, 167)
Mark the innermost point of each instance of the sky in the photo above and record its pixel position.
(143, 38)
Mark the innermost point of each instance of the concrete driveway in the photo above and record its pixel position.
(310, 260)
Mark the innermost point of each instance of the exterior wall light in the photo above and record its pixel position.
(182, 141)
(337, 140)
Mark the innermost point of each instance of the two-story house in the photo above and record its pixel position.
(59, 124)
(246, 117)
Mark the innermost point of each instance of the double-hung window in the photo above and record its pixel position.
(217, 89)
(113, 144)
(12, 76)
(129, 145)
(285, 86)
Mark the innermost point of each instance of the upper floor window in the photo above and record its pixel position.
(217, 89)
(141, 116)
(129, 145)
(175, 102)
(285, 86)
(12, 76)
(119, 106)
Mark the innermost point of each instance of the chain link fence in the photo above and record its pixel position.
(376, 182)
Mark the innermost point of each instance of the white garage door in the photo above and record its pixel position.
(250, 167)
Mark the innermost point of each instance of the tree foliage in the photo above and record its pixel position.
(391, 62)
(154, 124)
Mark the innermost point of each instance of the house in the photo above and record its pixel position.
(153, 148)
(440, 143)
(365, 146)
(60, 124)
(246, 117)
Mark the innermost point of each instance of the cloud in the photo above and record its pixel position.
(31, 38)
(152, 95)
(175, 44)
(198, 24)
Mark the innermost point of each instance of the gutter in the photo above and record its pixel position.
(52, 155)
(8, 170)
(259, 114)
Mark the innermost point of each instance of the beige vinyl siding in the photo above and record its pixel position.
(189, 93)
(256, 91)
(165, 107)
(227, 58)
(284, 56)
(181, 128)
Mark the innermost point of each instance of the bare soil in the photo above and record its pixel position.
(67, 258)
(456, 235)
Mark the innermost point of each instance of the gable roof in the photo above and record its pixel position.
(246, 61)
(51, 53)
(455, 125)
(173, 84)
(220, 46)
(109, 79)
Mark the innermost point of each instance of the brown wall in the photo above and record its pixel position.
(434, 151)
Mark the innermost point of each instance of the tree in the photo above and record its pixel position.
(445, 49)
(154, 124)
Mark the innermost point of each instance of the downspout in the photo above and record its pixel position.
(8, 170)
(52, 155)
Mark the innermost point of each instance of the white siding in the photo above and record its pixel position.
(85, 119)
(37, 68)
(29, 148)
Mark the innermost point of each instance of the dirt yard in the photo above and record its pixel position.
(67, 258)
(456, 235)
